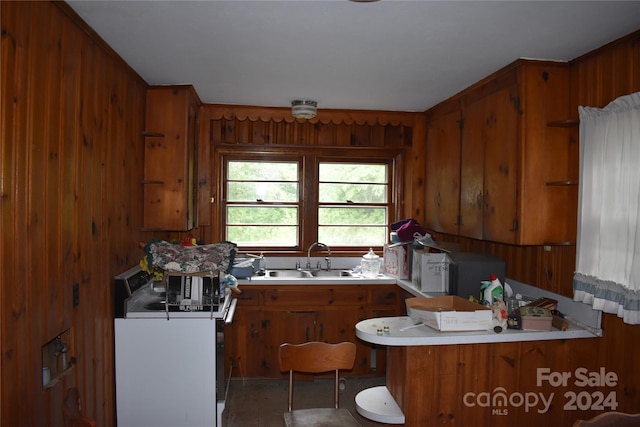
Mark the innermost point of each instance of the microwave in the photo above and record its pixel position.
(468, 269)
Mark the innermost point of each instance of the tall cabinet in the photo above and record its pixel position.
(496, 170)
(170, 158)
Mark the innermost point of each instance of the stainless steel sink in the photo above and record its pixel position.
(307, 274)
(332, 273)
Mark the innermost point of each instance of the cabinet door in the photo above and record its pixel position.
(337, 325)
(170, 164)
(502, 141)
(244, 340)
(472, 170)
(489, 169)
(284, 326)
(443, 172)
(244, 337)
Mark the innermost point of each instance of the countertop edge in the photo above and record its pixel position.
(269, 281)
(433, 337)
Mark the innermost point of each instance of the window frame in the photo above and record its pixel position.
(310, 158)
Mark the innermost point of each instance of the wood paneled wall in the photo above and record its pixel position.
(72, 114)
(71, 117)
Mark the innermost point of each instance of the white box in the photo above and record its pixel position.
(449, 313)
(430, 271)
(396, 260)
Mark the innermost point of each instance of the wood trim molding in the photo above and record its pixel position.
(337, 117)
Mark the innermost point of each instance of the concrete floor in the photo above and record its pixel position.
(262, 402)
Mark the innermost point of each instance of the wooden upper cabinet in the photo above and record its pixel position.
(170, 158)
(443, 169)
(511, 161)
(499, 170)
(472, 192)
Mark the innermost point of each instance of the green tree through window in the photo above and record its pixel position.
(272, 204)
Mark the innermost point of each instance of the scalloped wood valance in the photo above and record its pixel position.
(337, 117)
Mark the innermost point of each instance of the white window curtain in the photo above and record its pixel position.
(608, 247)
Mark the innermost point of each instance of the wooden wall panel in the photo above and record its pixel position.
(72, 113)
(601, 76)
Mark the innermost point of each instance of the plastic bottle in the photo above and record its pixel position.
(494, 291)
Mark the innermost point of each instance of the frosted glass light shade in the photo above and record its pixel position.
(303, 109)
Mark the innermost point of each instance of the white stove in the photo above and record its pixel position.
(169, 357)
(136, 295)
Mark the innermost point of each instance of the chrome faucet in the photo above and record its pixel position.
(320, 245)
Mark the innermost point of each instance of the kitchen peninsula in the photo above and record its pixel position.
(481, 378)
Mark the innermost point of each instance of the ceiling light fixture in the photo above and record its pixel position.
(303, 108)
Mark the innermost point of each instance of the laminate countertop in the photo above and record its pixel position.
(404, 331)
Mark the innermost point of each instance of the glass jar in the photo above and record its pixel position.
(370, 264)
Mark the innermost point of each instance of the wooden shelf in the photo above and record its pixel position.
(567, 123)
(567, 183)
(56, 378)
(57, 359)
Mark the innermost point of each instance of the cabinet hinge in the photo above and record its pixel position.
(545, 76)
(461, 124)
(515, 100)
(515, 225)
(459, 220)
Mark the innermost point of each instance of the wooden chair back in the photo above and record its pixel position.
(316, 358)
(72, 410)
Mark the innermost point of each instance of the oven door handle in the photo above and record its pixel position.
(232, 310)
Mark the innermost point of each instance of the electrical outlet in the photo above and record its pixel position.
(76, 294)
(547, 248)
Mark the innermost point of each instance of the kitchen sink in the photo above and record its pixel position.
(307, 274)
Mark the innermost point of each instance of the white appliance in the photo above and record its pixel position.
(169, 364)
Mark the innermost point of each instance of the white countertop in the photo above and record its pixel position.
(349, 280)
(367, 330)
(584, 322)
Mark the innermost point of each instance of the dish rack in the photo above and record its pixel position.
(181, 299)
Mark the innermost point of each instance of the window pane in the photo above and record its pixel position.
(262, 171)
(268, 215)
(352, 216)
(265, 236)
(353, 172)
(266, 191)
(352, 235)
(356, 193)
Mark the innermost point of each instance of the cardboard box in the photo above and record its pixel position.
(430, 271)
(449, 313)
(396, 260)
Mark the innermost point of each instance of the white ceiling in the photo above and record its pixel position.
(385, 55)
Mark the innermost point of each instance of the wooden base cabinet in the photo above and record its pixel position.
(268, 316)
(491, 156)
(170, 158)
(524, 384)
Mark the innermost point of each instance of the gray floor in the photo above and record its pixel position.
(261, 402)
